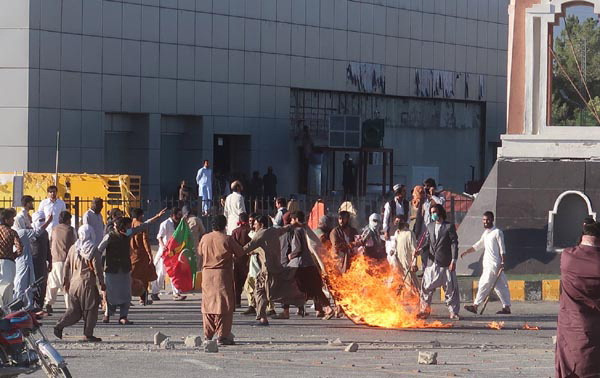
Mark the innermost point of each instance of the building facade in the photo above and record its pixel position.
(153, 87)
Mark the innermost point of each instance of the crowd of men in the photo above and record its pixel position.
(273, 258)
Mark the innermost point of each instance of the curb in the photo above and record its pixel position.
(543, 290)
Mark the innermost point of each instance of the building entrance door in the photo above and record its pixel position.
(231, 158)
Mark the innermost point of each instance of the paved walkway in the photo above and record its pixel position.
(299, 346)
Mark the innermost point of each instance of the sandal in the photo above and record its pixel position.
(329, 315)
(124, 321)
(301, 311)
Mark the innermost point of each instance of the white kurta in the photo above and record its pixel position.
(23, 220)
(440, 200)
(165, 232)
(54, 208)
(204, 181)
(234, 206)
(492, 240)
(387, 213)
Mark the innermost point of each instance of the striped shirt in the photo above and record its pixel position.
(10, 243)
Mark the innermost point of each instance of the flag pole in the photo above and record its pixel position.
(57, 154)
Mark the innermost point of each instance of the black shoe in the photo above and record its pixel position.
(471, 308)
(261, 324)
(504, 311)
(92, 339)
(155, 297)
(225, 341)
(58, 332)
(250, 311)
(49, 309)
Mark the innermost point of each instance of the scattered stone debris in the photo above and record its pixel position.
(159, 337)
(167, 344)
(210, 346)
(336, 342)
(352, 347)
(193, 341)
(427, 358)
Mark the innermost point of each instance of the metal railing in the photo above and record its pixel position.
(456, 206)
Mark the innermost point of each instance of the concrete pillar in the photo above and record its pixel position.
(152, 182)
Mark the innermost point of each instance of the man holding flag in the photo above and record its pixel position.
(179, 260)
(165, 233)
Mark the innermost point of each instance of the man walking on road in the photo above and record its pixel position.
(62, 238)
(83, 274)
(439, 259)
(204, 181)
(218, 252)
(165, 232)
(492, 240)
(274, 282)
(432, 198)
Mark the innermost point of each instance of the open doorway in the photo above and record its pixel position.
(231, 155)
(180, 152)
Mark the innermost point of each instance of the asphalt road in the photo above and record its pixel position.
(299, 346)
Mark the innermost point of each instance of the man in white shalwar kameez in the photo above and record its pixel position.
(52, 206)
(204, 181)
(165, 232)
(492, 240)
(234, 206)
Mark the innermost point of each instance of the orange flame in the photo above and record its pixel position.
(372, 293)
(496, 325)
(531, 328)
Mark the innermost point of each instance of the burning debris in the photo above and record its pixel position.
(496, 325)
(374, 294)
(530, 328)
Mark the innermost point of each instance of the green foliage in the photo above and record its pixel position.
(585, 39)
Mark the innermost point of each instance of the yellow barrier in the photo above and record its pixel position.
(517, 290)
(550, 290)
(122, 191)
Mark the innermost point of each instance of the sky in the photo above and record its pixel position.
(581, 11)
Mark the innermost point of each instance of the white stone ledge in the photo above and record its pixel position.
(551, 146)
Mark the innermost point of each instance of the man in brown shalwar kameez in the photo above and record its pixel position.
(142, 267)
(578, 334)
(240, 267)
(218, 251)
(83, 267)
(343, 241)
(274, 281)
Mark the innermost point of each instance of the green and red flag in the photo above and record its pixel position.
(179, 258)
